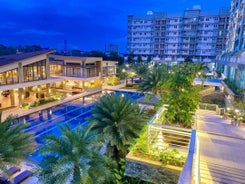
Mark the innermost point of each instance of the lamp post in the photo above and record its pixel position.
(124, 71)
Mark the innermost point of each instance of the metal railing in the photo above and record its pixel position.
(190, 172)
(160, 135)
(185, 140)
(212, 107)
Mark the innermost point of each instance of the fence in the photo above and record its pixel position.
(185, 140)
(160, 135)
(212, 107)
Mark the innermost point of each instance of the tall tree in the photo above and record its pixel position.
(141, 69)
(72, 157)
(183, 97)
(15, 145)
(118, 120)
(154, 79)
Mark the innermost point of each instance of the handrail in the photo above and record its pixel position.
(187, 175)
(212, 107)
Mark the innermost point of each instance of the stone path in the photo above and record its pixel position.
(222, 149)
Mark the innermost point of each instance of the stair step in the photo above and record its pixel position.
(220, 174)
(228, 170)
(210, 180)
(223, 171)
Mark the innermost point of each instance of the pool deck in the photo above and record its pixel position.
(17, 111)
(22, 112)
(222, 148)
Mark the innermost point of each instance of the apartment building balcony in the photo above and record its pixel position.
(189, 34)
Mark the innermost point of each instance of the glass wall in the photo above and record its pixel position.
(73, 72)
(56, 69)
(35, 71)
(9, 77)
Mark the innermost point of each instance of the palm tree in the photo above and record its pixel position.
(118, 120)
(153, 80)
(72, 157)
(140, 69)
(15, 145)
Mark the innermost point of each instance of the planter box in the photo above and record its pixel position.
(151, 171)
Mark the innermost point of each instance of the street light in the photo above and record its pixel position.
(123, 70)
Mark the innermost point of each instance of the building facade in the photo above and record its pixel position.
(236, 31)
(29, 77)
(232, 61)
(174, 37)
(25, 78)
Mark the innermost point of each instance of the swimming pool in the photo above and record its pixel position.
(49, 120)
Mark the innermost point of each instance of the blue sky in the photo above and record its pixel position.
(86, 25)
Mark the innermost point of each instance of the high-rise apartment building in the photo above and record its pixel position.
(232, 61)
(236, 30)
(174, 37)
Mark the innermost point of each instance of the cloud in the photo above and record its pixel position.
(39, 32)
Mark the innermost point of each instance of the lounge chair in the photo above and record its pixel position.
(22, 176)
(4, 180)
(13, 170)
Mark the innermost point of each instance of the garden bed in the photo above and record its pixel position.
(151, 171)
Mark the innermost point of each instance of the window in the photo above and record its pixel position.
(35, 71)
(9, 77)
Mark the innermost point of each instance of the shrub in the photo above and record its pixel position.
(166, 156)
(25, 106)
(171, 157)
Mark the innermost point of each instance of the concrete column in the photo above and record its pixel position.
(48, 90)
(21, 96)
(4, 78)
(38, 91)
(49, 114)
(47, 68)
(54, 88)
(12, 101)
(20, 73)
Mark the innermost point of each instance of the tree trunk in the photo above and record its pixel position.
(76, 174)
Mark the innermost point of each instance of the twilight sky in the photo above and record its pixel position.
(86, 25)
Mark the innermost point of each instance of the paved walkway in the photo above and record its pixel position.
(222, 149)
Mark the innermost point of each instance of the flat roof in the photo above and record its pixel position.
(12, 58)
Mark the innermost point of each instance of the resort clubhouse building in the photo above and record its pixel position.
(29, 77)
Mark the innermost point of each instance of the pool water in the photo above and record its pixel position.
(49, 120)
